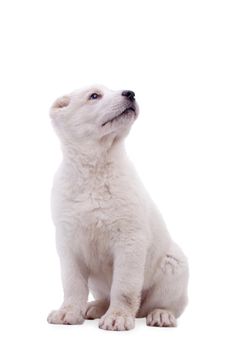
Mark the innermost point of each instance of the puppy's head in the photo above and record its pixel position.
(95, 112)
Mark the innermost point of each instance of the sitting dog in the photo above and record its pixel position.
(110, 237)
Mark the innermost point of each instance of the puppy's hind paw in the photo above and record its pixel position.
(161, 318)
(96, 309)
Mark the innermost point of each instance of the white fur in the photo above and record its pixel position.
(110, 237)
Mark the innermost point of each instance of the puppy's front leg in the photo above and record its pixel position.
(75, 288)
(128, 277)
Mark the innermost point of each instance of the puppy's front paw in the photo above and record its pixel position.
(66, 315)
(116, 321)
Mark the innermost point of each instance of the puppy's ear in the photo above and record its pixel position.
(60, 105)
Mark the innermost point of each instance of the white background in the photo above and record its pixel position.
(178, 57)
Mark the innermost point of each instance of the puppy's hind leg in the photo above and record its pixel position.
(167, 298)
(161, 318)
(96, 309)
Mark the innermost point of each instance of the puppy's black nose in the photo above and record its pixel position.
(129, 94)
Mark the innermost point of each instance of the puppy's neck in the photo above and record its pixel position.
(93, 156)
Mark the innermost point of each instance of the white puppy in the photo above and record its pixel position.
(110, 237)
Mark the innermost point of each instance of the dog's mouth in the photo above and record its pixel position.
(127, 113)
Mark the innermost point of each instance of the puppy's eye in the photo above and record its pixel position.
(94, 96)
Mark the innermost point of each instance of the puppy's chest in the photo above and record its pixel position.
(96, 229)
(94, 212)
(92, 202)
(90, 215)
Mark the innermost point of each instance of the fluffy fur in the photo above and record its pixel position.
(110, 237)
